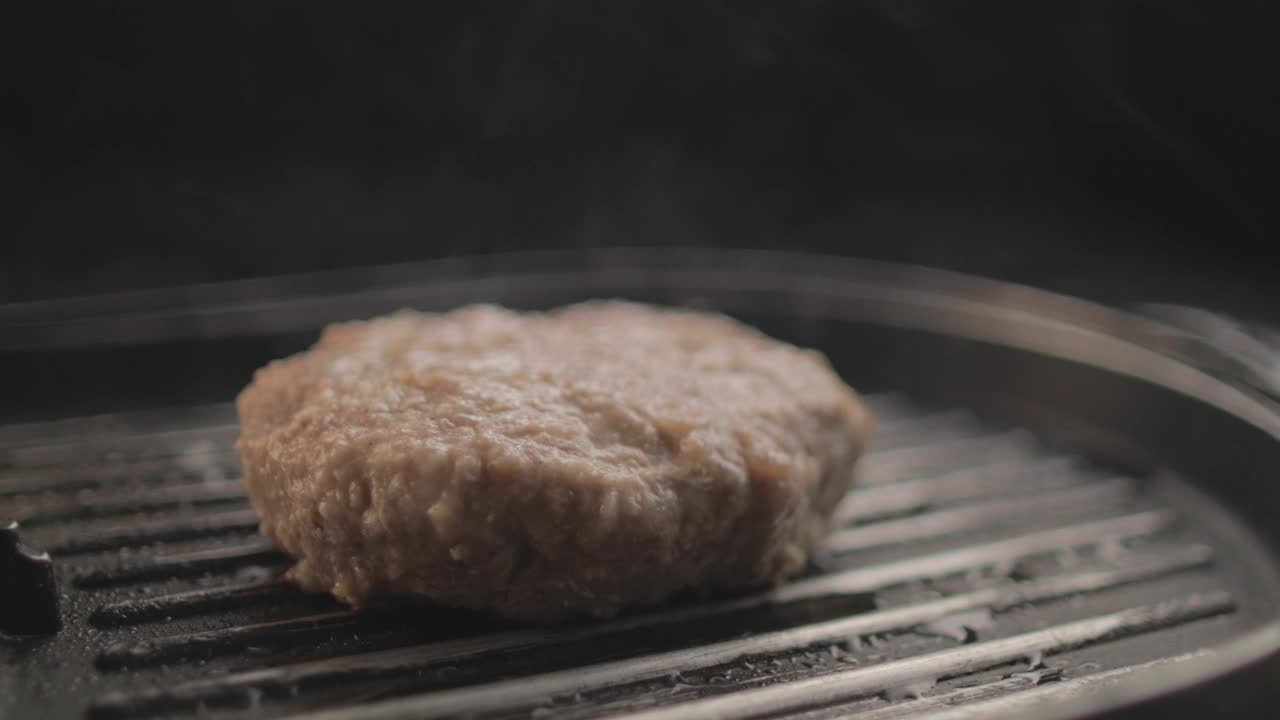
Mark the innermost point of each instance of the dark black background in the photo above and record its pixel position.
(1122, 150)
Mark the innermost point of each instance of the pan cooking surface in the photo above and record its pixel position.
(975, 567)
(1036, 532)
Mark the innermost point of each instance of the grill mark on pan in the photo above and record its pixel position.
(1007, 478)
(162, 529)
(195, 602)
(841, 686)
(164, 443)
(959, 704)
(18, 485)
(134, 424)
(416, 660)
(112, 502)
(194, 646)
(1091, 497)
(848, 582)
(1138, 524)
(540, 690)
(255, 551)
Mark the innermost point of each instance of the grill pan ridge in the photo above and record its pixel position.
(1059, 517)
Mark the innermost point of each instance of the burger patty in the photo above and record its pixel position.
(547, 465)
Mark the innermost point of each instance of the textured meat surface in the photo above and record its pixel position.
(547, 465)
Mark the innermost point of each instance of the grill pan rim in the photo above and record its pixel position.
(176, 312)
(1134, 344)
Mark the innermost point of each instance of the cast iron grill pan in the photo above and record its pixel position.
(1001, 554)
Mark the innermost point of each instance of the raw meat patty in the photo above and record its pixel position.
(547, 465)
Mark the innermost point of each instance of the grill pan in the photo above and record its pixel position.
(1067, 513)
